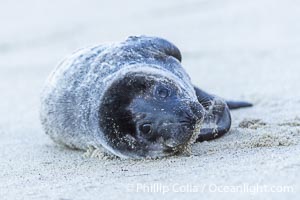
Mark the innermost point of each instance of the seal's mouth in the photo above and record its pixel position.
(186, 146)
(168, 147)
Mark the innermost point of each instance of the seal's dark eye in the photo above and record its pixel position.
(145, 128)
(163, 92)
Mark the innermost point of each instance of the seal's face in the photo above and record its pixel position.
(149, 118)
(163, 120)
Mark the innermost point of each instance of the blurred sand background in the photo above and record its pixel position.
(247, 50)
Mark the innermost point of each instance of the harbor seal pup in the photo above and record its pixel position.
(132, 98)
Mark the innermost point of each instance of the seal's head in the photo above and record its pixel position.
(148, 116)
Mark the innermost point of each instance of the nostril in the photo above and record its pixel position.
(197, 110)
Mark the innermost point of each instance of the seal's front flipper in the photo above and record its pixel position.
(217, 120)
(238, 104)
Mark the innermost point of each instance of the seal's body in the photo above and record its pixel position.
(133, 98)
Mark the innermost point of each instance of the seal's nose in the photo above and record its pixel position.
(198, 110)
(176, 134)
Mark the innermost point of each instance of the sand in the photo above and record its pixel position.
(246, 50)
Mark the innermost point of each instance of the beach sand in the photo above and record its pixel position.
(245, 50)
